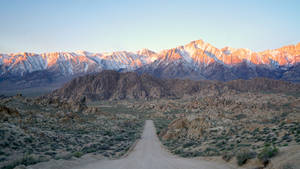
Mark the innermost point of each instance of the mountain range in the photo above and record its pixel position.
(197, 60)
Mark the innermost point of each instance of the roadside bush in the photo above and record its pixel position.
(64, 156)
(77, 154)
(267, 153)
(188, 144)
(243, 155)
(50, 153)
(178, 151)
(26, 160)
(90, 149)
(227, 156)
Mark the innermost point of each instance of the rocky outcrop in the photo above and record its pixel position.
(76, 105)
(262, 84)
(6, 113)
(192, 126)
(113, 85)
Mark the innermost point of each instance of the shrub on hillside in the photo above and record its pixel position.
(267, 153)
(77, 154)
(227, 156)
(26, 160)
(243, 155)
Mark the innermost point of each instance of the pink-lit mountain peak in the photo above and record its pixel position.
(196, 53)
(205, 52)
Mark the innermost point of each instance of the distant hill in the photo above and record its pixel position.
(130, 85)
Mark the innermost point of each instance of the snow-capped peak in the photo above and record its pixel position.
(196, 53)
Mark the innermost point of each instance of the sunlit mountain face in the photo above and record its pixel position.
(196, 60)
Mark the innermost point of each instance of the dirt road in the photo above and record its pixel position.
(148, 154)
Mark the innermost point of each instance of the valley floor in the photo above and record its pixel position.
(147, 154)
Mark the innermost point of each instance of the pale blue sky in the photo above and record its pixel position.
(111, 25)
